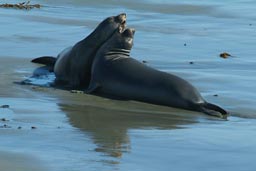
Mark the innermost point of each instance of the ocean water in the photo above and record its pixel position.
(83, 132)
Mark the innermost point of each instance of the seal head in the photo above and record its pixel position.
(72, 67)
(120, 44)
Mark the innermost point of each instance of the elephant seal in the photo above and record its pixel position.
(73, 65)
(116, 74)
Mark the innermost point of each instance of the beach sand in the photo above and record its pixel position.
(19, 162)
(56, 126)
(37, 117)
(43, 128)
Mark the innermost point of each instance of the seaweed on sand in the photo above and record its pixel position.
(23, 5)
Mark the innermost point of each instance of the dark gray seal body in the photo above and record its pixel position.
(73, 65)
(115, 73)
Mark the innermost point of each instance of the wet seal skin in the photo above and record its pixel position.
(116, 74)
(72, 67)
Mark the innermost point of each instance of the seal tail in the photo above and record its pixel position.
(213, 110)
(46, 60)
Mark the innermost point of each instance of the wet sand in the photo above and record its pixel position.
(19, 162)
(35, 118)
(57, 130)
(98, 133)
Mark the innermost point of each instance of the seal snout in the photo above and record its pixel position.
(129, 32)
(132, 30)
(122, 18)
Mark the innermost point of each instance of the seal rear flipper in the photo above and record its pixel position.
(93, 88)
(46, 60)
(213, 110)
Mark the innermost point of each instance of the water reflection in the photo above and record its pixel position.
(109, 127)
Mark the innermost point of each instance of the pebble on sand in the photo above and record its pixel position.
(225, 55)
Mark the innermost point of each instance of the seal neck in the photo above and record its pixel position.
(123, 52)
(114, 54)
(94, 39)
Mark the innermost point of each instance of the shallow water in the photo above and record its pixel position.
(84, 132)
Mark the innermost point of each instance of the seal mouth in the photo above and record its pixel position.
(122, 18)
(122, 27)
(123, 24)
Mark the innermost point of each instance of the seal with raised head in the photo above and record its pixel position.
(73, 65)
(116, 74)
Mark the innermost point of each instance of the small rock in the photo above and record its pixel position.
(5, 126)
(77, 91)
(215, 95)
(225, 55)
(185, 44)
(5, 106)
(33, 127)
(4, 120)
(191, 62)
(144, 61)
(19, 127)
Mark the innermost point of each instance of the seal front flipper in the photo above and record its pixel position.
(46, 60)
(213, 110)
(93, 88)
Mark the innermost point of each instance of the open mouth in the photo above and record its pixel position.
(123, 26)
(123, 22)
(122, 19)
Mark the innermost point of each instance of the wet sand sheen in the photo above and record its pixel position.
(19, 162)
(116, 128)
(108, 122)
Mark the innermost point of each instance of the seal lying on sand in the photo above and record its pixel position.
(73, 65)
(116, 74)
